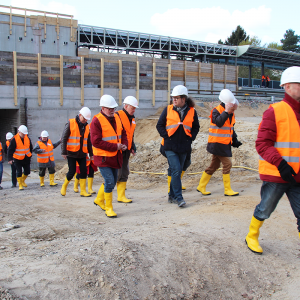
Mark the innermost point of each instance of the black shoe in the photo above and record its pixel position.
(181, 203)
(172, 200)
(1, 188)
(14, 185)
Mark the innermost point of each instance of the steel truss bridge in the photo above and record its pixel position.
(114, 40)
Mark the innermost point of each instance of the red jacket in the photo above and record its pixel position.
(114, 162)
(267, 136)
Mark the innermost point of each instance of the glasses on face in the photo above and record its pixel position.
(176, 98)
(110, 109)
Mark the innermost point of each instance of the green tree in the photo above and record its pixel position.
(290, 41)
(237, 36)
(274, 45)
(253, 41)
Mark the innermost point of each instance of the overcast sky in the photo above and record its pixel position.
(197, 20)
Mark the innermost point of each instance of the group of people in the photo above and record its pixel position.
(108, 142)
(265, 81)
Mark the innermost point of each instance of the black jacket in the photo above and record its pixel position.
(179, 142)
(65, 137)
(217, 148)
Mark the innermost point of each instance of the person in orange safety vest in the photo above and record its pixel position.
(278, 147)
(128, 122)
(9, 137)
(45, 157)
(19, 154)
(221, 138)
(75, 145)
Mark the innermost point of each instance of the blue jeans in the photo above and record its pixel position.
(271, 193)
(186, 164)
(176, 162)
(1, 171)
(110, 176)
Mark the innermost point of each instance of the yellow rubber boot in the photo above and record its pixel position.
(63, 190)
(20, 183)
(121, 187)
(83, 192)
(100, 200)
(23, 180)
(227, 189)
(52, 183)
(252, 237)
(169, 183)
(108, 205)
(182, 187)
(90, 186)
(42, 181)
(76, 183)
(205, 178)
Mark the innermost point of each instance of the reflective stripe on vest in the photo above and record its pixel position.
(73, 143)
(173, 121)
(222, 135)
(22, 149)
(129, 128)
(287, 140)
(108, 134)
(1, 152)
(48, 154)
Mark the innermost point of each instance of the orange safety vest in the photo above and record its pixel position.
(129, 128)
(108, 135)
(22, 149)
(263, 77)
(73, 143)
(287, 140)
(48, 154)
(7, 144)
(173, 121)
(221, 135)
(0, 152)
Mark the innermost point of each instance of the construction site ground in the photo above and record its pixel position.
(66, 248)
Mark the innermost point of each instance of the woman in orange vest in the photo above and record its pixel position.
(91, 168)
(128, 122)
(178, 125)
(9, 136)
(75, 145)
(1, 164)
(109, 140)
(220, 139)
(278, 146)
(45, 157)
(19, 153)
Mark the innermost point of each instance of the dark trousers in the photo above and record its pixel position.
(20, 164)
(271, 193)
(123, 173)
(72, 167)
(90, 175)
(13, 174)
(42, 171)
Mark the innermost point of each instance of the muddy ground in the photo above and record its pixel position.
(66, 248)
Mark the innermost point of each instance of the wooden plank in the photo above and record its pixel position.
(225, 75)
(15, 78)
(120, 82)
(102, 77)
(153, 84)
(82, 81)
(137, 81)
(61, 82)
(39, 79)
(169, 82)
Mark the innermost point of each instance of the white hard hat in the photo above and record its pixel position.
(86, 113)
(108, 101)
(226, 96)
(290, 75)
(9, 136)
(44, 133)
(131, 100)
(23, 129)
(179, 90)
